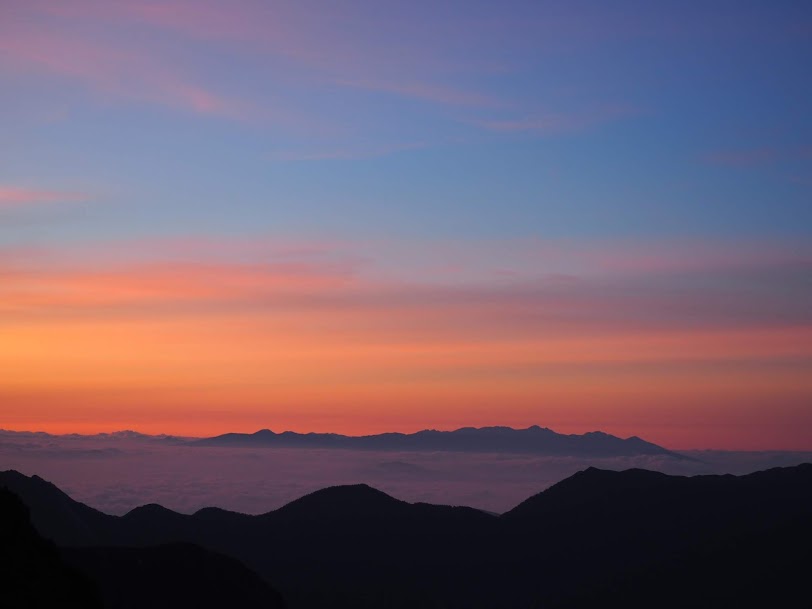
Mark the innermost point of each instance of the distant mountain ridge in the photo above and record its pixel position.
(707, 541)
(499, 439)
(532, 440)
(123, 434)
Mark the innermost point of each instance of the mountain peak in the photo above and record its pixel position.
(345, 501)
(15, 475)
(149, 508)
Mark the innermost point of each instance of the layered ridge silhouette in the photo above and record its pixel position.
(533, 440)
(34, 573)
(171, 576)
(618, 539)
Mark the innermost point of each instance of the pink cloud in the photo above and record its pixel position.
(165, 283)
(464, 261)
(329, 39)
(326, 46)
(107, 255)
(613, 288)
(696, 256)
(129, 72)
(16, 196)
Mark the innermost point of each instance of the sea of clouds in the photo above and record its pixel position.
(117, 472)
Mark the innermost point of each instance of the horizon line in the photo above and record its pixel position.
(447, 430)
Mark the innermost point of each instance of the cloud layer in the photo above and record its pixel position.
(116, 474)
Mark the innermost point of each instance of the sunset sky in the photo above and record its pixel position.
(388, 216)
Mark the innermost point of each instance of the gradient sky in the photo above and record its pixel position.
(373, 216)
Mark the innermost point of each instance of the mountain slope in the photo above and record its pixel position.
(171, 576)
(55, 515)
(354, 546)
(32, 573)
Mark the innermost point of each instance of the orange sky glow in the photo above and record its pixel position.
(202, 349)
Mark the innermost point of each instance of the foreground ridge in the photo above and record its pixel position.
(598, 537)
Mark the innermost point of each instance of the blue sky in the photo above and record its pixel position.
(647, 163)
(565, 119)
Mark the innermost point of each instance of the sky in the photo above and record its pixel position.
(372, 216)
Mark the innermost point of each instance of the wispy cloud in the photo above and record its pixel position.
(131, 73)
(75, 42)
(12, 197)
(280, 54)
(614, 287)
(554, 123)
(301, 51)
(431, 92)
(758, 156)
(347, 152)
(748, 157)
(318, 336)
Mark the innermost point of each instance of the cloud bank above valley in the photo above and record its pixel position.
(118, 472)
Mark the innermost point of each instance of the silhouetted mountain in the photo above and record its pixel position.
(32, 573)
(639, 497)
(125, 434)
(55, 515)
(163, 576)
(633, 525)
(769, 568)
(343, 502)
(172, 576)
(591, 536)
(533, 440)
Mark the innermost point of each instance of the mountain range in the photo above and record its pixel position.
(599, 538)
(533, 440)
